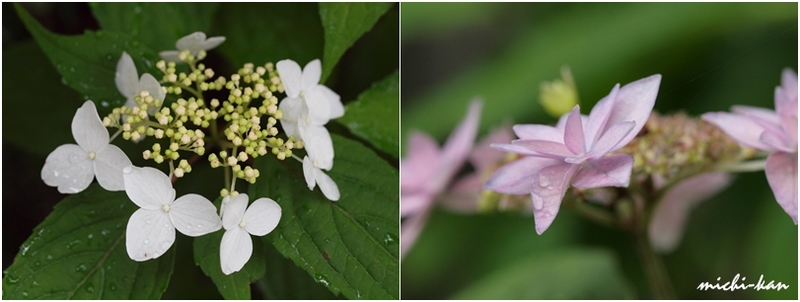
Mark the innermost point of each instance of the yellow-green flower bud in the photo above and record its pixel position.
(559, 96)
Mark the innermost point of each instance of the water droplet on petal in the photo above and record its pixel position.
(538, 203)
(147, 241)
(544, 181)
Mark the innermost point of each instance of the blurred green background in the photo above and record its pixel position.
(711, 56)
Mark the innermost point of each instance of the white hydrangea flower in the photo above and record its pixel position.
(71, 167)
(308, 106)
(194, 43)
(130, 84)
(258, 220)
(151, 229)
(315, 176)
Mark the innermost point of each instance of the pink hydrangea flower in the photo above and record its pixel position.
(772, 131)
(574, 152)
(427, 171)
(670, 214)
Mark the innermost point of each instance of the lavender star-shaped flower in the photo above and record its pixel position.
(574, 151)
(772, 131)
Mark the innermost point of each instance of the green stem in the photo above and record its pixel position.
(655, 272)
(115, 135)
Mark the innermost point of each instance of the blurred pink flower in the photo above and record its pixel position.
(426, 172)
(670, 214)
(574, 151)
(772, 131)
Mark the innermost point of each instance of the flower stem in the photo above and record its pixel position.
(654, 270)
(748, 166)
(115, 135)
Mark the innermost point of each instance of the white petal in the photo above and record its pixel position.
(327, 185)
(170, 56)
(262, 216)
(234, 211)
(211, 43)
(292, 111)
(235, 249)
(319, 145)
(69, 168)
(108, 165)
(334, 101)
(308, 173)
(149, 83)
(311, 75)
(291, 77)
(319, 109)
(126, 77)
(149, 234)
(194, 215)
(191, 42)
(147, 187)
(88, 129)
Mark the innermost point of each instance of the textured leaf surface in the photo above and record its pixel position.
(350, 246)
(269, 32)
(285, 281)
(344, 23)
(370, 117)
(236, 285)
(157, 25)
(571, 274)
(78, 252)
(88, 62)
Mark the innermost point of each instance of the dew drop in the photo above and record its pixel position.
(199, 227)
(389, 239)
(72, 69)
(37, 264)
(104, 233)
(35, 283)
(165, 245)
(538, 203)
(322, 279)
(147, 241)
(544, 181)
(64, 81)
(135, 43)
(24, 294)
(137, 10)
(12, 279)
(49, 257)
(549, 187)
(90, 236)
(81, 268)
(112, 287)
(90, 287)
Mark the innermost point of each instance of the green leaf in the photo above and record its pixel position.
(78, 252)
(236, 285)
(568, 274)
(350, 246)
(157, 25)
(285, 281)
(25, 72)
(372, 116)
(344, 23)
(88, 62)
(269, 32)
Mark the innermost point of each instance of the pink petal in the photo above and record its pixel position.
(483, 156)
(743, 129)
(613, 139)
(781, 173)
(599, 116)
(88, 129)
(766, 115)
(789, 84)
(609, 171)
(634, 103)
(545, 148)
(517, 177)
(458, 145)
(515, 149)
(777, 141)
(573, 132)
(464, 194)
(411, 227)
(540, 132)
(420, 163)
(669, 216)
(414, 202)
(549, 187)
(786, 108)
